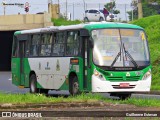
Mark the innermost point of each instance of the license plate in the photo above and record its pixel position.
(124, 85)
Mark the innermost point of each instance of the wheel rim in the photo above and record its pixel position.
(32, 87)
(75, 88)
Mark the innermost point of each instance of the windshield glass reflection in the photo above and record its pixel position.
(111, 44)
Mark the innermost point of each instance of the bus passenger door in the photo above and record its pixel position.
(86, 67)
(22, 55)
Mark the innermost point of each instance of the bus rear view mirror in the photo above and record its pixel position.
(84, 33)
(91, 43)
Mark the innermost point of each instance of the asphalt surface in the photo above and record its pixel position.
(7, 87)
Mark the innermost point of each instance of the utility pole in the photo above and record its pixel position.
(73, 11)
(4, 10)
(125, 12)
(140, 12)
(84, 5)
(4, 7)
(58, 7)
(66, 9)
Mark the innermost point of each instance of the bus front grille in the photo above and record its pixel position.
(115, 78)
(125, 78)
(118, 87)
(133, 78)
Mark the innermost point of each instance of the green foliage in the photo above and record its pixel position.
(148, 9)
(152, 28)
(111, 7)
(82, 98)
(141, 102)
(135, 15)
(158, 1)
(116, 12)
(62, 21)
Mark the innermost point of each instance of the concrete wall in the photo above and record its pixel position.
(24, 21)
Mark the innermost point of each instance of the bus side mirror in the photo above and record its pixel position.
(91, 43)
(84, 33)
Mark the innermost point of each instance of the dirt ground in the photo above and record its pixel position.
(86, 111)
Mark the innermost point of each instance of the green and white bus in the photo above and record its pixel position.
(95, 57)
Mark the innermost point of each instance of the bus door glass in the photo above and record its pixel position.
(86, 62)
(85, 56)
(22, 55)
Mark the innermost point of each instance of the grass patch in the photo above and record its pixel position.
(141, 102)
(152, 27)
(62, 21)
(87, 98)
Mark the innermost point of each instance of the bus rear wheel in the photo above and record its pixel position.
(74, 86)
(33, 84)
(44, 91)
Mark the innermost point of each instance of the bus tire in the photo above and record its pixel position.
(44, 91)
(74, 86)
(124, 96)
(33, 84)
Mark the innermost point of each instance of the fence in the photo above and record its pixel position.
(76, 10)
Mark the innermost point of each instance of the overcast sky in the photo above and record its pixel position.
(75, 7)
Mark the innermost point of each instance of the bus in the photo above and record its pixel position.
(98, 57)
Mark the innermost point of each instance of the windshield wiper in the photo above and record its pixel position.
(116, 58)
(130, 57)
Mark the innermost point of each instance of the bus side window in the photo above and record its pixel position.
(34, 44)
(46, 41)
(27, 48)
(72, 43)
(58, 44)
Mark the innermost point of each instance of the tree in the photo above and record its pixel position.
(111, 7)
(149, 7)
(154, 1)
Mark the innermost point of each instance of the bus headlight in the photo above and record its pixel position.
(147, 75)
(97, 74)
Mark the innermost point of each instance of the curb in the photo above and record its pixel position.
(151, 92)
(53, 105)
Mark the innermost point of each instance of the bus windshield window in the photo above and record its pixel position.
(111, 44)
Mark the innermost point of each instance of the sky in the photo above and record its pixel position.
(74, 7)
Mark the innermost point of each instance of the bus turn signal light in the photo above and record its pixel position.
(74, 61)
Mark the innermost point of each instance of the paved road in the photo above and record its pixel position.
(7, 86)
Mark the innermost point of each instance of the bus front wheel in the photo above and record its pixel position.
(74, 86)
(33, 84)
(124, 96)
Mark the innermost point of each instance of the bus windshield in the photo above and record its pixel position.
(120, 48)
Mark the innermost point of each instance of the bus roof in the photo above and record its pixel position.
(89, 26)
(101, 25)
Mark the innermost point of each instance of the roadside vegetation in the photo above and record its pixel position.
(82, 98)
(62, 21)
(152, 27)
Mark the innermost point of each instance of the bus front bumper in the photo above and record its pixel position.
(99, 85)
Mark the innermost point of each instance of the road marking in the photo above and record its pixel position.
(10, 79)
